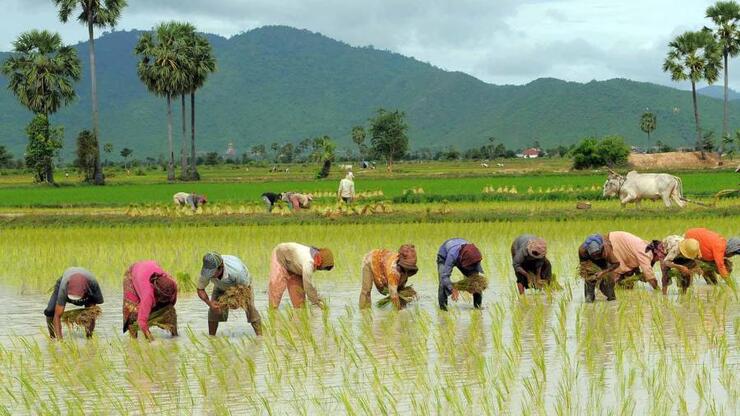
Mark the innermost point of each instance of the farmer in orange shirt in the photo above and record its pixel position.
(715, 248)
(389, 271)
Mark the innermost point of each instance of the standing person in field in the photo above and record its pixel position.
(346, 191)
(460, 253)
(291, 267)
(597, 266)
(192, 200)
(531, 266)
(679, 258)
(715, 253)
(270, 199)
(78, 287)
(149, 297)
(298, 200)
(634, 255)
(230, 277)
(389, 271)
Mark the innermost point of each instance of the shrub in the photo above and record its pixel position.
(592, 153)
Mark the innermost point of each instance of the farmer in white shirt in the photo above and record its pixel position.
(346, 191)
(225, 272)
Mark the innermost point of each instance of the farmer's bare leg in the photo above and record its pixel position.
(253, 315)
(477, 300)
(50, 327)
(606, 286)
(296, 292)
(278, 282)
(589, 289)
(367, 286)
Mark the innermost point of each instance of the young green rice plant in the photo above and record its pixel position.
(406, 295)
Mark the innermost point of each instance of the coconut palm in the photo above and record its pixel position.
(726, 15)
(694, 56)
(204, 63)
(164, 69)
(41, 74)
(100, 14)
(648, 123)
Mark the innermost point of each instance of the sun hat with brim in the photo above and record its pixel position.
(211, 262)
(689, 248)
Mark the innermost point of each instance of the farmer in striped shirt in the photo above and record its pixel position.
(389, 271)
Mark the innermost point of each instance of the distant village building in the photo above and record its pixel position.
(530, 153)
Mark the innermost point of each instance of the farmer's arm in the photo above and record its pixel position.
(58, 311)
(718, 251)
(393, 278)
(203, 283)
(647, 270)
(517, 260)
(308, 287)
(145, 291)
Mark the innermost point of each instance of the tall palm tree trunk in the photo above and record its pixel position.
(184, 144)
(193, 168)
(98, 177)
(48, 175)
(724, 119)
(696, 118)
(171, 162)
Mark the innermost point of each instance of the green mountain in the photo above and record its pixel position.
(278, 84)
(717, 91)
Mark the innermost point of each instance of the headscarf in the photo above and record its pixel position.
(733, 247)
(326, 259)
(469, 256)
(165, 288)
(594, 244)
(77, 287)
(537, 248)
(407, 258)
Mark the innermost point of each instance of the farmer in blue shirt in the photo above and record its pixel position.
(460, 253)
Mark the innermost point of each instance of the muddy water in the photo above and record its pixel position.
(543, 354)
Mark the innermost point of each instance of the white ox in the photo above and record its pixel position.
(638, 186)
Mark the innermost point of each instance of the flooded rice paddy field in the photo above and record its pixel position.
(545, 353)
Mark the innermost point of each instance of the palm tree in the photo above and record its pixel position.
(204, 63)
(41, 73)
(164, 69)
(648, 123)
(694, 56)
(726, 15)
(358, 136)
(100, 14)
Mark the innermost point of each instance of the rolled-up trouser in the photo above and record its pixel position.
(443, 294)
(281, 279)
(367, 285)
(252, 313)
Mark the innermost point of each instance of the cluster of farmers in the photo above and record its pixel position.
(618, 257)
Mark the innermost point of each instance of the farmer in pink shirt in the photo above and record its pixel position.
(634, 255)
(149, 296)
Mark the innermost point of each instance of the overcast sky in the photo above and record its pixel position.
(498, 41)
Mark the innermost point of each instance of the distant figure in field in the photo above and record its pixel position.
(531, 266)
(460, 253)
(346, 191)
(298, 200)
(149, 297)
(78, 287)
(389, 271)
(292, 266)
(192, 200)
(270, 199)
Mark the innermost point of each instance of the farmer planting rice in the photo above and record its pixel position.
(531, 266)
(231, 281)
(298, 200)
(597, 265)
(270, 199)
(679, 261)
(715, 253)
(460, 253)
(291, 267)
(149, 297)
(191, 200)
(346, 191)
(78, 287)
(636, 258)
(389, 272)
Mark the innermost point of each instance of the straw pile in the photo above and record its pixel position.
(82, 317)
(165, 318)
(406, 295)
(475, 283)
(235, 297)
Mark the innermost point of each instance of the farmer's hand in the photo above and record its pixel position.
(215, 307)
(455, 294)
(684, 270)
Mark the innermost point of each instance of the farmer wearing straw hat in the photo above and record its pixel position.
(227, 273)
(715, 252)
(78, 287)
(291, 267)
(149, 297)
(460, 253)
(597, 263)
(346, 191)
(389, 271)
(679, 258)
(531, 266)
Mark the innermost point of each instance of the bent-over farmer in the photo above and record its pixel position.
(596, 266)
(298, 200)
(715, 252)
(634, 255)
(346, 191)
(270, 199)
(460, 253)
(679, 258)
(149, 297)
(226, 272)
(291, 267)
(78, 287)
(191, 200)
(389, 271)
(531, 266)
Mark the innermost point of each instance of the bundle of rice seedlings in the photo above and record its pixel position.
(588, 270)
(475, 283)
(82, 317)
(185, 282)
(165, 318)
(406, 295)
(235, 297)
